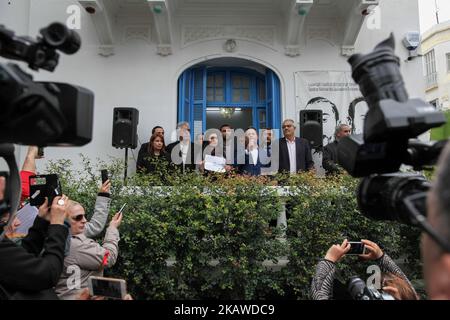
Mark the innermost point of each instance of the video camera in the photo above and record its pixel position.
(359, 291)
(42, 113)
(39, 113)
(391, 127)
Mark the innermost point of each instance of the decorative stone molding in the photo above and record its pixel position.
(106, 51)
(347, 51)
(196, 33)
(138, 32)
(292, 51)
(164, 50)
(321, 33)
(230, 45)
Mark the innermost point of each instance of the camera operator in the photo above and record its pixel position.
(33, 269)
(436, 262)
(393, 280)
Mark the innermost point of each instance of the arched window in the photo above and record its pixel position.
(209, 97)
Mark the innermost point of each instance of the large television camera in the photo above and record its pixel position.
(391, 128)
(42, 113)
(38, 113)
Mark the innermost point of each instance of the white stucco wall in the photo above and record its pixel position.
(137, 77)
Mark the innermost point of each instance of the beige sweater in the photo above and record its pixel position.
(84, 260)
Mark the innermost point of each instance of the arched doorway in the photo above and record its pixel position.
(234, 91)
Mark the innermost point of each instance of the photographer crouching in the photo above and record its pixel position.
(31, 270)
(393, 281)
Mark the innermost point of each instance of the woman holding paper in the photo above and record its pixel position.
(213, 162)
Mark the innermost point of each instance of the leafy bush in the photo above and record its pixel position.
(206, 237)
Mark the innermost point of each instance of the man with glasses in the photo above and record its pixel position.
(436, 241)
(294, 153)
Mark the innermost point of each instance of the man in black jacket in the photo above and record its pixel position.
(294, 153)
(330, 151)
(33, 269)
(182, 154)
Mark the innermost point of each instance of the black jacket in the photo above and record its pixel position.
(302, 154)
(27, 268)
(191, 158)
(330, 158)
(150, 163)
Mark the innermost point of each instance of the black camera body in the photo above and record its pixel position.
(360, 291)
(42, 113)
(39, 113)
(391, 127)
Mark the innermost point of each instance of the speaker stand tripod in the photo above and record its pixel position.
(126, 167)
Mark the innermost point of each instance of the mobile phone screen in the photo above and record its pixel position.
(356, 248)
(40, 152)
(104, 175)
(110, 288)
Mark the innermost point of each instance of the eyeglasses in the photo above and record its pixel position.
(418, 218)
(78, 217)
(287, 126)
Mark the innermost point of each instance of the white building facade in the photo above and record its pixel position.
(436, 51)
(248, 56)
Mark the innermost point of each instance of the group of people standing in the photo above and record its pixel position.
(243, 153)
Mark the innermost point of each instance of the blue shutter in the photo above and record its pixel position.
(184, 97)
(192, 99)
(198, 114)
(273, 110)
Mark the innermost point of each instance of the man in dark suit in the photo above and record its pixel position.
(330, 153)
(182, 153)
(294, 153)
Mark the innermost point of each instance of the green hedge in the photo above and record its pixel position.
(216, 232)
(442, 132)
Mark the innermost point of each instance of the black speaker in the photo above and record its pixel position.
(125, 123)
(311, 127)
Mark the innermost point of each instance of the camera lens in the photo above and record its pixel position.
(380, 197)
(60, 37)
(378, 74)
(356, 287)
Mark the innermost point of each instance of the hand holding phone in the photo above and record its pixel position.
(121, 209)
(107, 287)
(104, 175)
(42, 186)
(356, 248)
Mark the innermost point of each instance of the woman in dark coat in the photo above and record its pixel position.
(153, 156)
